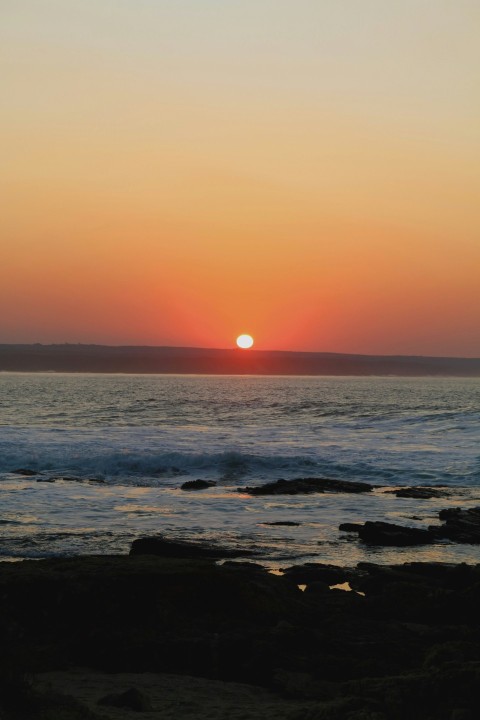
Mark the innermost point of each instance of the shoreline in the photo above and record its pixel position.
(284, 522)
(406, 642)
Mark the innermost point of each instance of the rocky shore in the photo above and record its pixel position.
(459, 525)
(182, 634)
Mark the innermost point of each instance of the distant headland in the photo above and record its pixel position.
(184, 360)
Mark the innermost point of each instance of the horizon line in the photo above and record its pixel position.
(240, 350)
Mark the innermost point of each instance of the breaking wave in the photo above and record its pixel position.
(150, 457)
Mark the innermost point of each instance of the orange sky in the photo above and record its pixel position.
(178, 173)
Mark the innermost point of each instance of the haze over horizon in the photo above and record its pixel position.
(175, 174)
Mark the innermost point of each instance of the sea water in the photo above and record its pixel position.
(112, 451)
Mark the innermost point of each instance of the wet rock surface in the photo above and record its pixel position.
(350, 527)
(303, 486)
(317, 572)
(460, 525)
(198, 485)
(164, 547)
(390, 534)
(409, 648)
(422, 493)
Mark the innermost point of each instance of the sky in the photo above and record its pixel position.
(177, 172)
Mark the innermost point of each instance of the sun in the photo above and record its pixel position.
(244, 341)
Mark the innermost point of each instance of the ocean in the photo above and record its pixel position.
(110, 453)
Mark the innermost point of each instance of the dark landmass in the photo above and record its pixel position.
(130, 359)
(408, 646)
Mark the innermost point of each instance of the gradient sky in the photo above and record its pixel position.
(176, 172)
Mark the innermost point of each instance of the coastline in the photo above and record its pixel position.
(403, 642)
(107, 359)
(329, 482)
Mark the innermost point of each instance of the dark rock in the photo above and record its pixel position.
(448, 693)
(198, 485)
(286, 523)
(408, 649)
(451, 651)
(45, 480)
(462, 526)
(302, 486)
(373, 578)
(350, 527)
(421, 493)
(25, 471)
(461, 714)
(382, 533)
(316, 588)
(179, 549)
(245, 565)
(316, 572)
(132, 699)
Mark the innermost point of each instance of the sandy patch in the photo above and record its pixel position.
(174, 697)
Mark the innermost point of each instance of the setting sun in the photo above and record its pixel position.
(244, 341)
